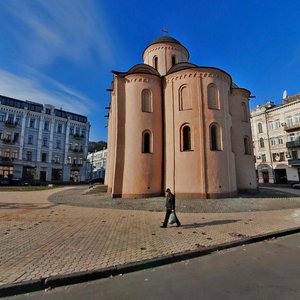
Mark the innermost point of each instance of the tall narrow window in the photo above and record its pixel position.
(147, 146)
(247, 145)
(261, 143)
(155, 62)
(215, 137)
(186, 138)
(212, 96)
(244, 112)
(184, 99)
(146, 101)
(173, 60)
(260, 129)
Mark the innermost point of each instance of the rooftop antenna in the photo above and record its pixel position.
(164, 31)
(284, 94)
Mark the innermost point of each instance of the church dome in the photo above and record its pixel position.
(163, 53)
(165, 39)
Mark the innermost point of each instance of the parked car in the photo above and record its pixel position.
(4, 181)
(96, 180)
(296, 185)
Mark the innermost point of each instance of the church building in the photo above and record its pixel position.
(173, 124)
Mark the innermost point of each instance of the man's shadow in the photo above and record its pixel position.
(211, 223)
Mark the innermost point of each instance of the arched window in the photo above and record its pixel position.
(184, 99)
(155, 62)
(173, 60)
(244, 112)
(247, 145)
(186, 138)
(261, 143)
(212, 96)
(260, 129)
(146, 101)
(147, 143)
(215, 137)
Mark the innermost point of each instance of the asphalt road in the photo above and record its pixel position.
(266, 270)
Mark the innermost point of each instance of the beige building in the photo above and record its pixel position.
(276, 138)
(178, 125)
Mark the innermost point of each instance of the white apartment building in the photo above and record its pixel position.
(96, 164)
(276, 140)
(42, 143)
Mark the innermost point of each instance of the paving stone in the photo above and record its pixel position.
(63, 239)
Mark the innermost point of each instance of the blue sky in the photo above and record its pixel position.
(62, 51)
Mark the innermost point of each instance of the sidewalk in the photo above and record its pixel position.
(41, 239)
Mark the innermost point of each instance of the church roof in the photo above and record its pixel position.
(165, 39)
(138, 69)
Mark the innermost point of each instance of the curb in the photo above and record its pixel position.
(79, 277)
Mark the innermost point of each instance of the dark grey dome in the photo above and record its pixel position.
(165, 39)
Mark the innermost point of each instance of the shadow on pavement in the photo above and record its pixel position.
(212, 223)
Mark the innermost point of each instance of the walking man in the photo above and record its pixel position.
(170, 208)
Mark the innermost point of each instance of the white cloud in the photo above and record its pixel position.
(51, 92)
(76, 30)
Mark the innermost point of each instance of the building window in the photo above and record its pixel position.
(16, 137)
(186, 143)
(273, 141)
(280, 140)
(58, 144)
(30, 139)
(155, 62)
(173, 60)
(45, 142)
(281, 156)
(32, 123)
(15, 154)
(297, 118)
(46, 125)
(184, 99)
(260, 129)
(263, 158)
(2, 117)
(212, 96)
(71, 130)
(29, 155)
(291, 137)
(147, 143)
(294, 155)
(244, 112)
(6, 153)
(59, 128)
(146, 101)
(69, 160)
(289, 121)
(261, 143)
(48, 111)
(44, 157)
(270, 125)
(215, 137)
(247, 145)
(277, 124)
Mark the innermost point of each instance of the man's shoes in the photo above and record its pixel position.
(163, 226)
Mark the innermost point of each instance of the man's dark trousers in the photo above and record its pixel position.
(168, 213)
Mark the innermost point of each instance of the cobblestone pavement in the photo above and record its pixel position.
(40, 238)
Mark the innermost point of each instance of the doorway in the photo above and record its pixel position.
(265, 175)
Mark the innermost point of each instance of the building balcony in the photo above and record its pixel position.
(10, 123)
(76, 165)
(78, 136)
(294, 162)
(6, 159)
(8, 141)
(77, 150)
(290, 128)
(293, 144)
